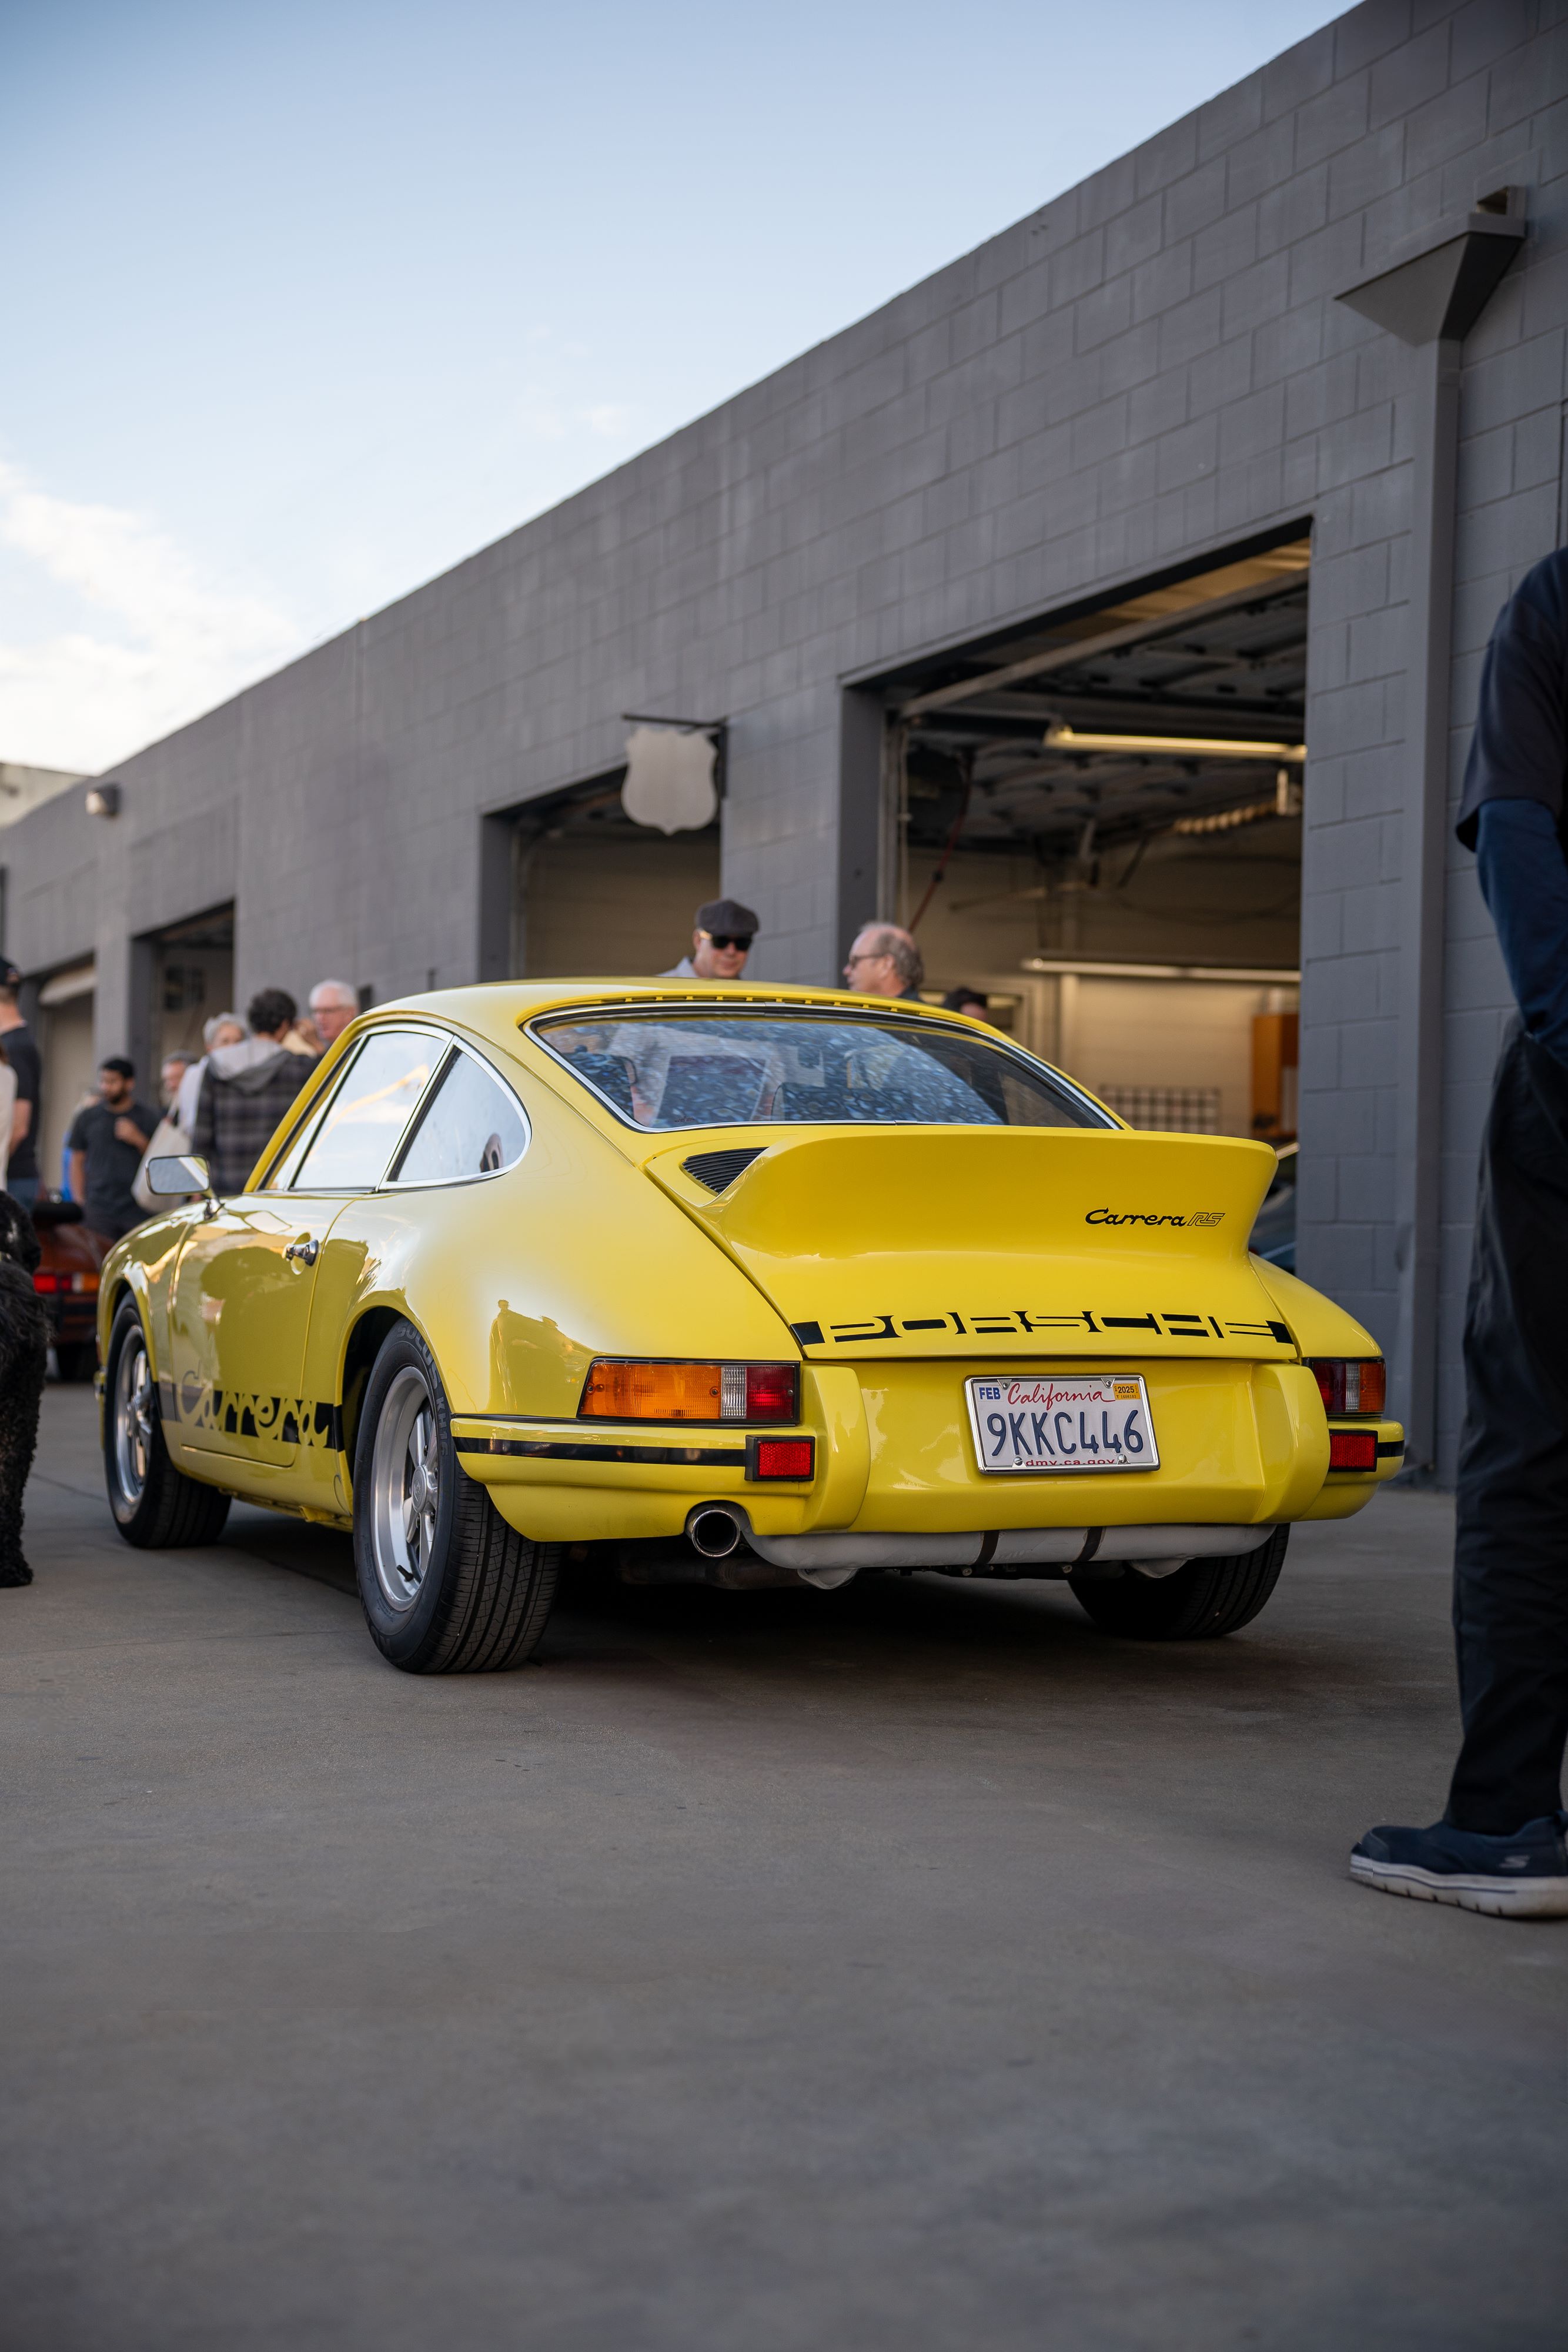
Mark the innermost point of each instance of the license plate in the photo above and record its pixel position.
(1063, 1425)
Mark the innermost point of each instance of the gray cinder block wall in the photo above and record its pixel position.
(1149, 370)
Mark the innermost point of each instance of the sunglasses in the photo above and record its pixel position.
(741, 939)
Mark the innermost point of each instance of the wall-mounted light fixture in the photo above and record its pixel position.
(103, 800)
(1175, 747)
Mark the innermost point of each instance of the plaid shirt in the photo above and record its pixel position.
(235, 1118)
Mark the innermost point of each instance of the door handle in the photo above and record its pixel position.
(307, 1251)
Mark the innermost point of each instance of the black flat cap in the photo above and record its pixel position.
(728, 917)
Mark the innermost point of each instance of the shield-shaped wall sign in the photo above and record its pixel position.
(670, 779)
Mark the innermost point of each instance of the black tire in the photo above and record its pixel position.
(162, 1510)
(76, 1359)
(458, 1591)
(1197, 1603)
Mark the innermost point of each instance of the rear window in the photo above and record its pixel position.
(732, 1069)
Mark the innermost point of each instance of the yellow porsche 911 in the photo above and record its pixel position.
(742, 1285)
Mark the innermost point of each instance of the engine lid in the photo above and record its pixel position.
(971, 1241)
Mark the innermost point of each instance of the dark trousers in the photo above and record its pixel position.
(1510, 1559)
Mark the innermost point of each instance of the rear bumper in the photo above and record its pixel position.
(1346, 1492)
(1243, 1446)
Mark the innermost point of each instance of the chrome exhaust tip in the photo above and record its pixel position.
(713, 1531)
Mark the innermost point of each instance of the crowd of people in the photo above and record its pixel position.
(222, 1103)
(225, 1102)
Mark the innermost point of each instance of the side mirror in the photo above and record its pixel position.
(179, 1178)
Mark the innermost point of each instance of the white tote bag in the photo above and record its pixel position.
(168, 1137)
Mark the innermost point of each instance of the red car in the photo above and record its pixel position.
(67, 1282)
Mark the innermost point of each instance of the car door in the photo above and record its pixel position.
(244, 1288)
(469, 1130)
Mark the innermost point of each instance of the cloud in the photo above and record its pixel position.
(173, 643)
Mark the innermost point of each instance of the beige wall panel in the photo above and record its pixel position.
(622, 907)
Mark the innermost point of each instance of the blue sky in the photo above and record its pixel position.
(305, 302)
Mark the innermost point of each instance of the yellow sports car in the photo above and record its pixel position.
(746, 1284)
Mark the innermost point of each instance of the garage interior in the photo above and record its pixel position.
(1097, 822)
(594, 893)
(191, 977)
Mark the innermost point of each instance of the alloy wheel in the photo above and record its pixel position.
(405, 1489)
(132, 1419)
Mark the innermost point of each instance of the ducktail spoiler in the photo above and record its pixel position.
(1004, 1242)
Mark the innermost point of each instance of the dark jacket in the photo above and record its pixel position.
(237, 1112)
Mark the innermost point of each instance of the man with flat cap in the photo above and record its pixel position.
(721, 942)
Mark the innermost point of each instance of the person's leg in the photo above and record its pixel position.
(24, 1188)
(1511, 1566)
(23, 1345)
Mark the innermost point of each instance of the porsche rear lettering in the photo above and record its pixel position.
(1019, 1322)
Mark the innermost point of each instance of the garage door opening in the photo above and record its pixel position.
(64, 1031)
(1098, 822)
(191, 976)
(593, 894)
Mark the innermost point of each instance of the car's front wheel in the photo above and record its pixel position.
(156, 1508)
(448, 1588)
(1197, 1604)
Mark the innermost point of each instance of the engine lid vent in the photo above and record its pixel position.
(718, 1169)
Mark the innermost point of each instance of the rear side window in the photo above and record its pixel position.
(353, 1142)
(471, 1125)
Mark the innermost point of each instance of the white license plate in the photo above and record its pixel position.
(1063, 1425)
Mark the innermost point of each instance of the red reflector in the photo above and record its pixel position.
(781, 1457)
(1353, 1449)
(770, 1395)
(46, 1281)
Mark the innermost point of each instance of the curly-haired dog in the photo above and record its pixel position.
(24, 1346)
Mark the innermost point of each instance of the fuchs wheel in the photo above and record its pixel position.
(156, 1508)
(77, 1359)
(1197, 1603)
(448, 1587)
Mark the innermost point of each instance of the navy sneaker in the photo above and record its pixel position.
(1521, 1877)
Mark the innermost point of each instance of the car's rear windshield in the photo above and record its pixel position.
(725, 1068)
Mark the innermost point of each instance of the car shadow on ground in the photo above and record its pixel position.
(943, 1632)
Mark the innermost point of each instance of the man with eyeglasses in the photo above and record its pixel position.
(721, 942)
(884, 962)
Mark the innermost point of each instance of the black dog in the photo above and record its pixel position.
(24, 1346)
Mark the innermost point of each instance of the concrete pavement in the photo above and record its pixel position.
(911, 1967)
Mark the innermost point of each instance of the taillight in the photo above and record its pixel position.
(45, 1282)
(781, 1457)
(51, 1283)
(1351, 1384)
(1353, 1449)
(654, 1391)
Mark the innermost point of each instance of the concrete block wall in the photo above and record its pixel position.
(1147, 372)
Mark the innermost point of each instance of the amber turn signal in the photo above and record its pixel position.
(1351, 1386)
(620, 1391)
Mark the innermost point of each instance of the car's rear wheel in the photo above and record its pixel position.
(448, 1588)
(1197, 1604)
(155, 1506)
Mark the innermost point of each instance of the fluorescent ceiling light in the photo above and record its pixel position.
(1178, 747)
